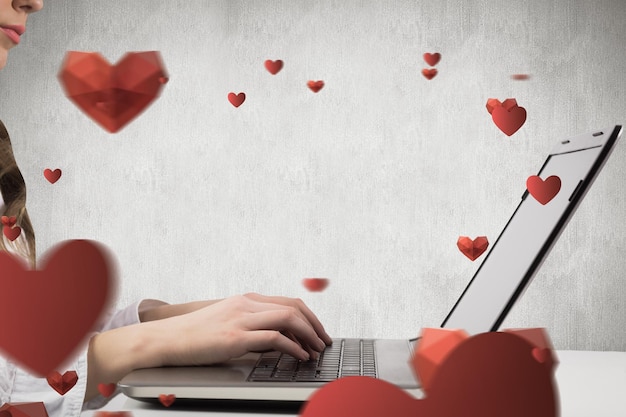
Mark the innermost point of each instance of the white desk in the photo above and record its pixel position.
(589, 384)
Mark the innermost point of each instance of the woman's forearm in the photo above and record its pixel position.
(115, 353)
(170, 310)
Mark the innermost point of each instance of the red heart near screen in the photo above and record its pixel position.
(112, 95)
(167, 399)
(472, 248)
(543, 191)
(47, 313)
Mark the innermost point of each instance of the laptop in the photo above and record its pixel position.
(499, 282)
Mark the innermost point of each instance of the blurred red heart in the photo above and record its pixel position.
(273, 66)
(236, 99)
(112, 95)
(315, 86)
(113, 414)
(472, 248)
(508, 117)
(34, 409)
(429, 73)
(11, 233)
(9, 221)
(543, 191)
(432, 59)
(167, 400)
(52, 176)
(62, 384)
(107, 389)
(488, 375)
(315, 284)
(47, 313)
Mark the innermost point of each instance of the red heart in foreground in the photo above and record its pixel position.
(508, 116)
(9, 221)
(236, 99)
(315, 284)
(472, 248)
(62, 384)
(167, 400)
(52, 176)
(432, 59)
(107, 389)
(11, 233)
(429, 73)
(273, 66)
(489, 375)
(543, 191)
(23, 410)
(47, 313)
(112, 95)
(315, 86)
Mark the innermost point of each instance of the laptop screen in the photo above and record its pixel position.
(527, 238)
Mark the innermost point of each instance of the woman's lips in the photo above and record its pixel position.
(12, 34)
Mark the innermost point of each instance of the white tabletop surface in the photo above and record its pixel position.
(589, 384)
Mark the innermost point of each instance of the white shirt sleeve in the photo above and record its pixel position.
(16, 385)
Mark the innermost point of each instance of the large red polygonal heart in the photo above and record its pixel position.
(112, 95)
(47, 313)
(488, 375)
(62, 383)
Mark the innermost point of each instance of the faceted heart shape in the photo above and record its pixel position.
(9, 221)
(112, 95)
(543, 191)
(472, 248)
(429, 73)
(432, 59)
(62, 384)
(315, 86)
(47, 313)
(167, 400)
(52, 176)
(273, 66)
(36, 409)
(12, 233)
(488, 375)
(315, 284)
(509, 118)
(236, 99)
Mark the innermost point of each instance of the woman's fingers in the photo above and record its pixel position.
(300, 306)
(285, 319)
(262, 340)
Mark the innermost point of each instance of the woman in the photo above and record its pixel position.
(149, 333)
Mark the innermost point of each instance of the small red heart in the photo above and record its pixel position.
(472, 248)
(52, 176)
(315, 86)
(236, 99)
(112, 95)
(11, 233)
(315, 284)
(543, 191)
(429, 73)
(520, 77)
(432, 59)
(273, 66)
(62, 384)
(70, 293)
(509, 121)
(9, 221)
(167, 400)
(107, 389)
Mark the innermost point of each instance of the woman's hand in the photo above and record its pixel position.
(212, 333)
(237, 325)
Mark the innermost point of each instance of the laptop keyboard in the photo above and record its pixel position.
(346, 357)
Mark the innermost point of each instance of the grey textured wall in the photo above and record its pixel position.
(369, 182)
